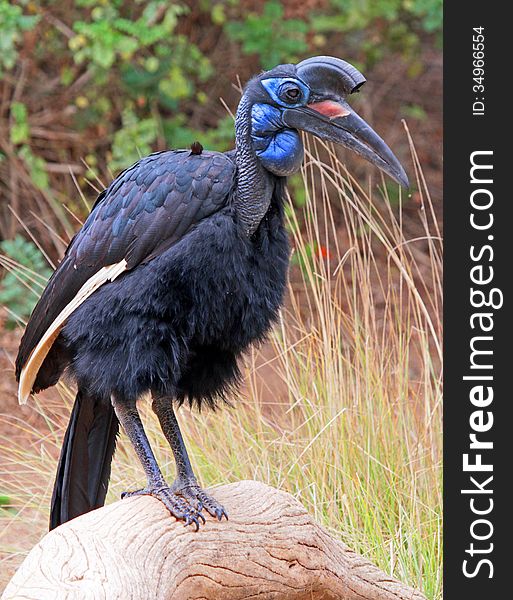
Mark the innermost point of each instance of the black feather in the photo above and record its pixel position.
(135, 225)
(210, 294)
(198, 291)
(84, 465)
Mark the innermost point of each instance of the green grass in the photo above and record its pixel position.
(344, 411)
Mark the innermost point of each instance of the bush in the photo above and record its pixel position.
(26, 269)
(126, 77)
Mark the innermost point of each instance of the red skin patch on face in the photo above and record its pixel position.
(329, 108)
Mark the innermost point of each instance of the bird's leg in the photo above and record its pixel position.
(185, 484)
(130, 420)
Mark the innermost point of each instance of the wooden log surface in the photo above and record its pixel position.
(133, 550)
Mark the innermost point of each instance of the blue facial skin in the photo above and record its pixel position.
(279, 149)
(274, 85)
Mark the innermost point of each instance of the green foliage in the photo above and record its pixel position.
(414, 111)
(397, 22)
(160, 70)
(355, 15)
(181, 136)
(168, 76)
(6, 503)
(133, 140)
(429, 11)
(20, 130)
(12, 25)
(109, 36)
(16, 287)
(36, 166)
(271, 36)
(20, 136)
(147, 73)
(297, 190)
(136, 47)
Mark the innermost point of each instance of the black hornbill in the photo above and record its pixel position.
(180, 266)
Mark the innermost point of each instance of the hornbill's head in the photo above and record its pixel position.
(311, 96)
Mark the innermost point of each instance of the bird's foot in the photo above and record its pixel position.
(185, 500)
(197, 497)
(177, 505)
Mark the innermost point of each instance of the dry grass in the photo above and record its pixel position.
(356, 433)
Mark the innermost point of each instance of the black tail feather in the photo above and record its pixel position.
(84, 465)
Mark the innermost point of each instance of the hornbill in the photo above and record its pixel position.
(179, 267)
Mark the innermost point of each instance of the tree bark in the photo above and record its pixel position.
(133, 550)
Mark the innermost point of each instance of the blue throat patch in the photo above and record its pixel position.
(279, 149)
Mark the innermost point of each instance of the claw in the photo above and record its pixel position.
(220, 513)
(192, 519)
(178, 506)
(184, 501)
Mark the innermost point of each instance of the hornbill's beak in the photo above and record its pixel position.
(329, 117)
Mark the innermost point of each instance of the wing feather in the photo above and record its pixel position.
(30, 370)
(144, 211)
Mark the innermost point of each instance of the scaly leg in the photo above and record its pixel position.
(185, 484)
(128, 416)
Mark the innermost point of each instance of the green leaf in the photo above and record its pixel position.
(133, 140)
(36, 166)
(269, 35)
(20, 130)
(14, 294)
(12, 25)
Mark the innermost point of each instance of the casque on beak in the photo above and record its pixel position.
(329, 117)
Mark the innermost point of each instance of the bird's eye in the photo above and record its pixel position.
(291, 93)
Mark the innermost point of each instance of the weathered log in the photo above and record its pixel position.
(133, 550)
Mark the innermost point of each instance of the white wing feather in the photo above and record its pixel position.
(30, 370)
